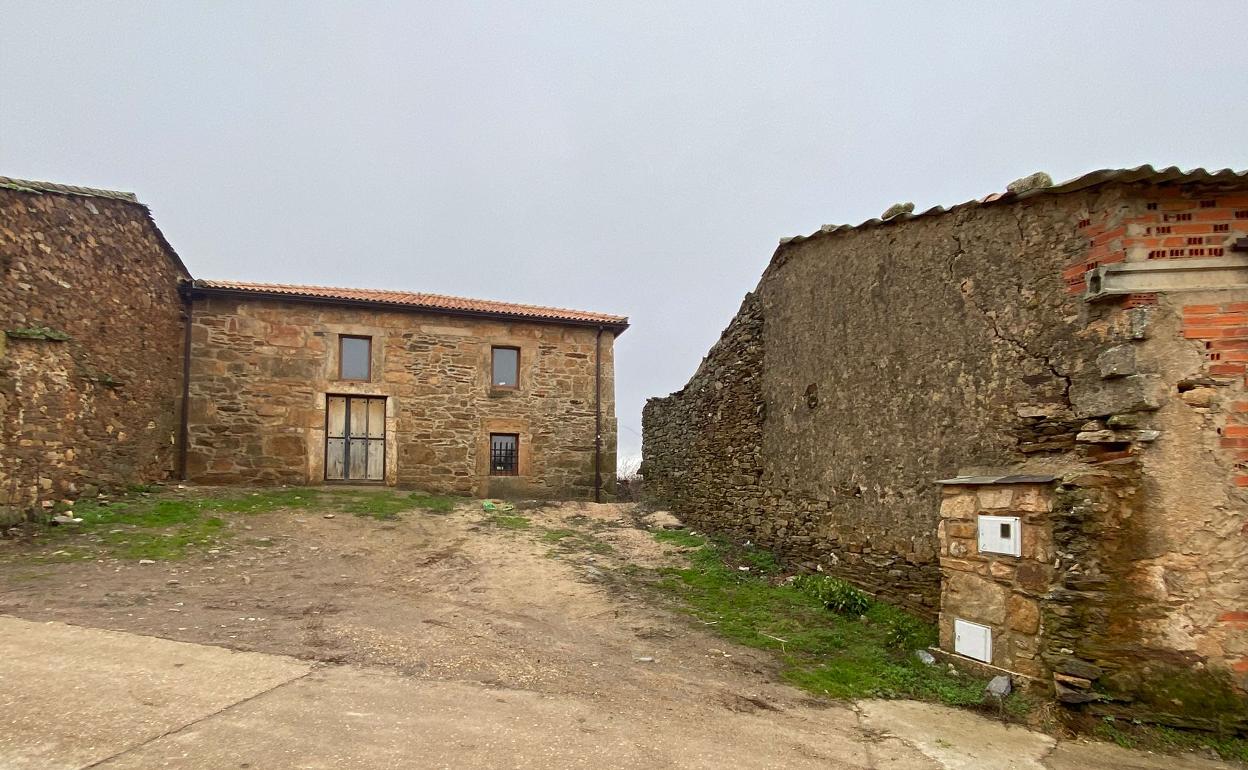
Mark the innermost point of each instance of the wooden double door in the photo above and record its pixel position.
(355, 438)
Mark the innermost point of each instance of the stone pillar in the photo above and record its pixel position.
(982, 520)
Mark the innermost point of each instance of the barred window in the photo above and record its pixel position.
(504, 454)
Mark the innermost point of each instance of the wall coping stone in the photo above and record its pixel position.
(973, 481)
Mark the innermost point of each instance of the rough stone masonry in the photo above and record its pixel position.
(1095, 332)
(102, 330)
(262, 369)
(90, 343)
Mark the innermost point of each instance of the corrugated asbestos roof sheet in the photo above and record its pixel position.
(42, 188)
(27, 185)
(435, 302)
(1142, 174)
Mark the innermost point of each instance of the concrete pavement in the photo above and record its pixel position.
(75, 697)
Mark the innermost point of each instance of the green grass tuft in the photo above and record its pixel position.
(680, 537)
(836, 594)
(868, 655)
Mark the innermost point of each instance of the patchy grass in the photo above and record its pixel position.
(1132, 735)
(138, 528)
(680, 537)
(382, 506)
(510, 522)
(265, 502)
(434, 503)
(568, 540)
(147, 525)
(870, 655)
(166, 545)
(557, 535)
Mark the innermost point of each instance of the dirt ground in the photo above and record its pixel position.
(443, 596)
(471, 599)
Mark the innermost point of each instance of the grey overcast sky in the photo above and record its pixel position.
(635, 157)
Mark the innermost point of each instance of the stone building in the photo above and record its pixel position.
(305, 384)
(91, 329)
(1068, 362)
(104, 332)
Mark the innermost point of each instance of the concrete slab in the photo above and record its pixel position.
(74, 697)
(71, 696)
(349, 717)
(958, 740)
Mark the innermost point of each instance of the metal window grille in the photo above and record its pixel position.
(504, 455)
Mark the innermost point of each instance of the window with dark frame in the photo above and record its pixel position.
(505, 366)
(504, 454)
(355, 357)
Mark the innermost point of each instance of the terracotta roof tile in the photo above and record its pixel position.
(418, 300)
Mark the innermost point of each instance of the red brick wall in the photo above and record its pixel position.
(1223, 330)
(1173, 224)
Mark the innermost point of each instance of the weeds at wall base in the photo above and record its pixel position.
(1138, 736)
(836, 655)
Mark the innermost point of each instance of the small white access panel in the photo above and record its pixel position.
(1000, 534)
(972, 640)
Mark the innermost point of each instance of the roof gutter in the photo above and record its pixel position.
(212, 291)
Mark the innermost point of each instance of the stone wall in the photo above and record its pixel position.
(262, 369)
(91, 330)
(899, 353)
(703, 444)
(893, 356)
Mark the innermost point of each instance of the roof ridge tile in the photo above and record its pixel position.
(421, 300)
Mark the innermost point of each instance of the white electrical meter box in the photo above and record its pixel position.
(1000, 534)
(972, 640)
